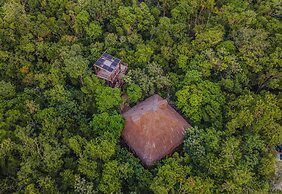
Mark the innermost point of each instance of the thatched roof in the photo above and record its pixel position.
(153, 129)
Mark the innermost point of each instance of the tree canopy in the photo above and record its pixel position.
(218, 62)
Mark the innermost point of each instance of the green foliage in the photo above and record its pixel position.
(134, 93)
(133, 18)
(202, 144)
(258, 114)
(83, 186)
(94, 30)
(105, 123)
(170, 174)
(81, 20)
(218, 62)
(135, 177)
(201, 100)
(107, 98)
(151, 79)
(110, 182)
(7, 90)
(87, 168)
(197, 185)
(208, 38)
(75, 63)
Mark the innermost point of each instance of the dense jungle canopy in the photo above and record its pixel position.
(218, 61)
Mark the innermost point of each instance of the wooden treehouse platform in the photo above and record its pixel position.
(110, 69)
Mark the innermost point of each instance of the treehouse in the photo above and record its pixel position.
(110, 69)
(153, 129)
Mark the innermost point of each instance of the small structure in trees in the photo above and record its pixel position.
(110, 69)
(279, 149)
(153, 129)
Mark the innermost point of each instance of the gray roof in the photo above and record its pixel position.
(107, 62)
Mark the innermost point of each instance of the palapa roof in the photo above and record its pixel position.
(153, 129)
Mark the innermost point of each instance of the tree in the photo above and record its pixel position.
(143, 54)
(208, 38)
(257, 114)
(91, 83)
(7, 90)
(110, 181)
(133, 18)
(134, 93)
(81, 21)
(170, 174)
(75, 64)
(163, 32)
(151, 79)
(135, 177)
(201, 100)
(219, 62)
(83, 186)
(196, 185)
(94, 30)
(106, 123)
(107, 98)
(203, 147)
